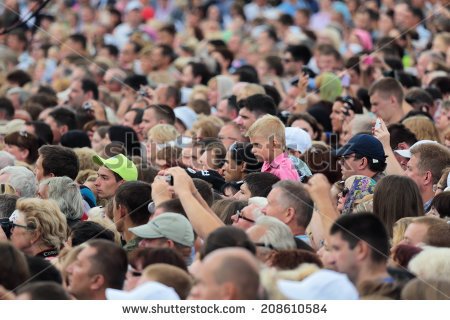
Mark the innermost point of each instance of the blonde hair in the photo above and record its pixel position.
(209, 126)
(85, 156)
(431, 264)
(422, 127)
(399, 229)
(199, 89)
(46, 218)
(171, 276)
(162, 133)
(268, 126)
(250, 89)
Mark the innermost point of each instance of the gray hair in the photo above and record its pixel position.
(260, 203)
(6, 159)
(277, 234)
(65, 192)
(294, 195)
(22, 179)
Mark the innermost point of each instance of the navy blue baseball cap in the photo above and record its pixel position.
(364, 145)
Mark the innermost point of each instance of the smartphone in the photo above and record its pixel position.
(345, 81)
(378, 123)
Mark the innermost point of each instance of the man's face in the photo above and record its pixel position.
(413, 172)
(187, 77)
(158, 59)
(382, 106)
(80, 275)
(350, 166)
(117, 217)
(291, 67)
(148, 121)
(55, 128)
(76, 95)
(224, 112)
(206, 286)
(106, 183)
(228, 135)
(39, 170)
(415, 233)
(128, 120)
(231, 170)
(153, 243)
(344, 258)
(326, 63)
(127, 55)
(245, 119)
(275, 207)
(246, 219)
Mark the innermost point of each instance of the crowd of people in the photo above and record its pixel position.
(195, 149)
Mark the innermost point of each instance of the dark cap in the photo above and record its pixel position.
(210, 176)
(364, 145)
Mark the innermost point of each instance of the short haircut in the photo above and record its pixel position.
(138, 115)
(135, 81)
(88, 85)
(260, 183)
(268, 127)
(328, 50)
(148, 256)
(277, 234)
(7, 204)
(364, 227)
(295, 195)
(164, 112)
(299, 52)
(22, 180)
(18, 77)
(60, 161)
(43, 270)
(64, 116)
(387, 87)
(44, 290)
(7, 107)
(432, 157)
(205, 190)
(110, 261)
(14, 268)
(199, 69)
(172, 205)
(225, 237)
(171, 276)
(84, 231)
(441, 203)
(259, 104)
(438, 235)
(247, 73)
(399, 133)
(275, 63)
(80, 39)
(135, 197)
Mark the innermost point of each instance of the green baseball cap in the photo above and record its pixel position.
(173, 226)
(119, 164)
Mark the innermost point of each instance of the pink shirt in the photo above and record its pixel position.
(282, 167)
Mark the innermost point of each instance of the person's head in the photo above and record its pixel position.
(327, 57)
(386, 98)
(246, 217)
(156, 114)
(169, 229)
(38, 225)
(438, 235)
(81, 91)
(100, 264)
(294, 58)
(227, 274)
(422, 127)
(229, 134)
(170, 276)
(56, 161)
(112, 173)
(42, 290)
(6, 109)
(256, 184)
(290, 203)
(268, 138)
(23, 146)
(19, 178)
(308, 123)
(362, 155)
(14, 268)
(130, 204)
(252, 108)
(240, 161)
(417, 231)
(396, 197)
(358, 241)
(60, 121)
(269, 235)
(65, 192)
(195, 73)
(84, 231)
(425, 166)
(401, 138)
(441, 204)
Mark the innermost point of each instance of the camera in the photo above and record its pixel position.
(87, 106)
(6, 226)
(143, 92)
(169, 179)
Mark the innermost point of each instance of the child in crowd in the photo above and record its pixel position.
(268, 138)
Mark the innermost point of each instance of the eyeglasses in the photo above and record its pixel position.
(15, 225)
(240, 215)
(342, 159)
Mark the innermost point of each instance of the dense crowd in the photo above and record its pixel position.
(195, 149)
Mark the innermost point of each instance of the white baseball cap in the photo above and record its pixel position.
(147, 291)
(407, 152)
(297, 139)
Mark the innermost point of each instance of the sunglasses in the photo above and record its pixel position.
(264, 245)
(240, 215)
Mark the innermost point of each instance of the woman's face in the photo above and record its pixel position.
(302, 124)
(443, 121)
(231, 170)
(21, 237)
(342, 196)
(326, 257)
(243, 193)
(19, 153)
(213, 94)
(98, 144)
(336, 116)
